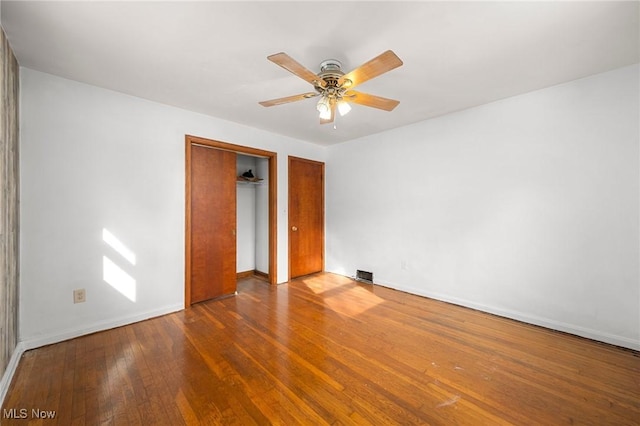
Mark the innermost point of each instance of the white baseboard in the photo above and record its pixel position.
(520, 316)
(5, 382)
(38, 341)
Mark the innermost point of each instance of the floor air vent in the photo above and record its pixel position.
(364, 276)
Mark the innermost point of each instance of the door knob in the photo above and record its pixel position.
(294, 228)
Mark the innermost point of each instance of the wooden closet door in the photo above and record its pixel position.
(306, 216)
(213, 223)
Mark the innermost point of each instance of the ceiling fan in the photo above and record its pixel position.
(334, 87)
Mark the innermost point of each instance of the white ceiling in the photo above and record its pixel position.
(210, 57)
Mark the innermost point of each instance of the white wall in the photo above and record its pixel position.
(526, 207)
(245, 217)
(94, 160)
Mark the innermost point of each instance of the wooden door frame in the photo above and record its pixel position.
(292, 157)
(272, 157)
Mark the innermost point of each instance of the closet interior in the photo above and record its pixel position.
(252, 240)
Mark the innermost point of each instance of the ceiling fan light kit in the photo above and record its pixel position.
(323, 105)
(343, 107)
(335, 87)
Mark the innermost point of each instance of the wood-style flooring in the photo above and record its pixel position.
(326, 350)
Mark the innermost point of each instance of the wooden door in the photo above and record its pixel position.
(213, 223)
(306, 217)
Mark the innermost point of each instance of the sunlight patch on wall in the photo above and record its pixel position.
(118, 246)
(113, 274)
(117, 278)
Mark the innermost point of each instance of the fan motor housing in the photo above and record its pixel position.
(331, 69)
(330, 72)
(331, 65)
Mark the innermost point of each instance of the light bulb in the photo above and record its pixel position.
(326, 114)
(344, 107)
(323, 105)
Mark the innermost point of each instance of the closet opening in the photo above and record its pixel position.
(252, 218)
(241, 243)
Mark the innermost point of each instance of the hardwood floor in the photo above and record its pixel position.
(327, 350)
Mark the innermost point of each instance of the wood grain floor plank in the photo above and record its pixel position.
(324, 349)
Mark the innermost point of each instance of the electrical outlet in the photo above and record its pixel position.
(79, 296)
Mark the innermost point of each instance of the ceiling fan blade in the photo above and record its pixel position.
(370, 100)
(333, 115)
(291, 65)
(378, 65)
(288, 99)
